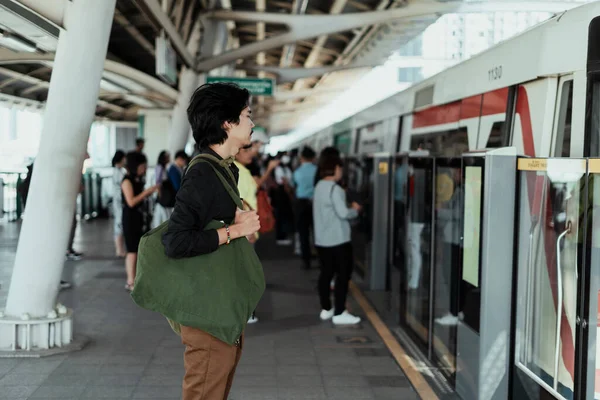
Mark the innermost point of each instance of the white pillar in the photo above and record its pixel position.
(70, 109)
(180, 127)
(157, 122)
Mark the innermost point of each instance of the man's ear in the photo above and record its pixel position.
(227, 126)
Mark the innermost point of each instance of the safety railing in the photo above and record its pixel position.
(92, 203)
(11, 203)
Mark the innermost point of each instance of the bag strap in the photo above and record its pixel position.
(233, 193)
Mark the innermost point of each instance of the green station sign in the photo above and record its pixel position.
(256, 86)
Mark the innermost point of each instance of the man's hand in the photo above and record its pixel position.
(246, 223)
(241, 216)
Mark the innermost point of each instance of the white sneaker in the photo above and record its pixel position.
(447, 319)
(345, 318)
(253, 320)
(326, 314)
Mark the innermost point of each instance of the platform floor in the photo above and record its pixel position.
(133, 354)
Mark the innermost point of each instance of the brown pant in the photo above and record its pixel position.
(209, 365)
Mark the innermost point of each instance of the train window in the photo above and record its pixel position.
(448, 143)
(594, 122)
(563, 131)
(496, 136)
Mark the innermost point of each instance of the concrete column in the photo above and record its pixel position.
(70, 109)
(180, 127)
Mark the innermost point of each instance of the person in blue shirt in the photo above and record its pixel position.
(304, 182)
(175, 171)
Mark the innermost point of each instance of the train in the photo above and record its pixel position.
(538, 92)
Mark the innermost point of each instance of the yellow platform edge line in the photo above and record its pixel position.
(414, 376)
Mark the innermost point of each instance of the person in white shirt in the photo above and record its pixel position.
(118, 163)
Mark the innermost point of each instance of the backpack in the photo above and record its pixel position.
(265, 212)
(167, 194)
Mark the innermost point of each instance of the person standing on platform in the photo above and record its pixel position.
(248, 183)
(332, 240)
(118, 163)
(281, 196)
(221, 122)
(304, 181)
(134, 210)
(166, 193)
(176, 170)
(139, 145)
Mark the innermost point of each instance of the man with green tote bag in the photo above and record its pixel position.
(198, 269)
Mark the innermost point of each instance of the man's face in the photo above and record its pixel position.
(241, 133)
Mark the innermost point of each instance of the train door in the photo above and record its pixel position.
(418, 172)
(552, 203)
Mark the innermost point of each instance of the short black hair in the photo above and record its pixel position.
(162, 158)
(327, 152)
(118, 157)
(134, 160)
(212, 105)
(139, 141)
(181, 154)
(327, 164)
(308, 153)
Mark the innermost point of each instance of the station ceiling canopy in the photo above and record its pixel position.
(311, 60)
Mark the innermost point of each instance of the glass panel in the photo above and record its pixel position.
(470, 274)
(360, 189)
(418, 272)
(593, 149)
(448, 260)
(593, 256)
(496, 138)
(448, 143)
(563, 132)
(551, 193)
(342, 142)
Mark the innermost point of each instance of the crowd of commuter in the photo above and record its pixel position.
(299, 192)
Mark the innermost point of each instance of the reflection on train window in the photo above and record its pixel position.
(342, 142)
(496, 136)
(447, 143)
(563, 138)
(594, 139)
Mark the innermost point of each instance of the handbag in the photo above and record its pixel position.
(215, 292)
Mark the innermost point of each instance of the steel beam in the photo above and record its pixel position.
(178, 43)
(516, 6)
(147, 81)
(300, 94)
(309, 26)
(286, 75)
(135, 34)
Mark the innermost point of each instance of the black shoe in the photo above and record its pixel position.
(73, 255)
(65, 285)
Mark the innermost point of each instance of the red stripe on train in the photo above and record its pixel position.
(472, 107)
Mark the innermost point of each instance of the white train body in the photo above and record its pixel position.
(538, 92)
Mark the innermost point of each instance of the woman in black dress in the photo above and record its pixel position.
(134, 215)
